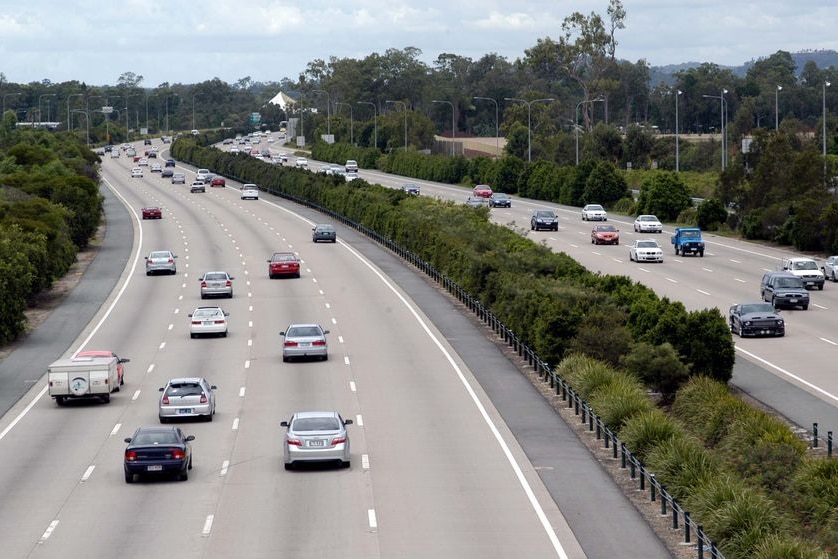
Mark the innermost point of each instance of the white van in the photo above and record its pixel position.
(351, 166)
(83, 377)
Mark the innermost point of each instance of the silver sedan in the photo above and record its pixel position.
(304, 340)
(160, 261)
(316, 436)
(187, 397)
(216, 284)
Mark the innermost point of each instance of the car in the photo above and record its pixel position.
(605, 235)
(99, 151)
(283, 264)
(152, 212)
(195, 132)
(203, 175)
(130, 152)
(349, 176)
(647, 224)
(594, 212)
(170, 163)
(266, 153)
(304, 340)
(198, 186)
(178, 178)
(187, 397)
(160, 261)
(783, 289)
(158, 451)
(806, 269)
(270, 139)
(167, 173)
(830, 268)
(301, 162)
(115, 154)
(142, 162)
(156, 168)
(208, 320)
(645, 250)
(218, 181)
(351, 166)
(120, 361)
(166, 139)
(482, 191)
(500, 200)
(227, 141)
(147, 142)
(283, 157)
(151, 154)
(411, 189)
(216, 284)
(476, 202)
(544, 219)
(137, 172)
(756, 319)
(316, 436)
(235, 149)
(325, 169)
(324, 232)
(255, 152)
(250, 192)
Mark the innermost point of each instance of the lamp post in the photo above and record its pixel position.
(497, 124)
(193, 108)
(823, 131)
(127, 124)
(529, 120)
(4, 102)
(351, 121)
(405, 119)
(721, 99)
(678, 93)
(40, 118)
(776, 107)
(146, 114)
(86, 121)
(374, 121)
(69, 123)
(453, 123)
(576, 122)
(328, 110)
(168, 130)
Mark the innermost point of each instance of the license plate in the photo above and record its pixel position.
(155, 468)
(207, 323)
(315, 443)
(184, 410)
(792, 300)
(304, 344)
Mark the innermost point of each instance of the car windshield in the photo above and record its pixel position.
(285, 257)
(160, 254)
(647, 218)
(184, 389)
(805, 265)
(689, 234)
(606, 228)
(647, 244)
(544, 214)
(206, 313)
(303, 331)
(316, 424)
(789, 282)
(594, 208)
(158, 437)
(215, 276)
(500, 195)
(757, 308)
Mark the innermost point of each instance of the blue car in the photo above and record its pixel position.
(158, 451)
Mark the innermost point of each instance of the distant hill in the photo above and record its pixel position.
(823, 58)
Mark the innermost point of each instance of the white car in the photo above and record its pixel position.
(156, 168)
(594, 212)
(351, 166)
(198, 186)
(235, 149)
(301, 162)
(143, 162)
(830, 268)
(208, 320)
(203, 175)
(137, 172)
(647, 224)
(250, 192)
(806, 269)
(645, 250)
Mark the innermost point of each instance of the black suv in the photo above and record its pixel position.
(783, 289)
(544, 219)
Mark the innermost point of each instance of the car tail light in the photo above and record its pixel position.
(196, 322)
(229, 283)
(165, 400)
(318, 342)
(130, 456)
(294, 442)
(291, 344)
(171, 260)
(338, 440)
(203, 398)
(203, 284)
(219, 321)
(178, 454)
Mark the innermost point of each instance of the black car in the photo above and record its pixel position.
(147, 142)
(170, 163)
(411, 189)
(500, 200)
(756, 319)
(158, 451)
(324, 232)
(544, 219)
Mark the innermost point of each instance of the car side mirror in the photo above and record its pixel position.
(189, 438)
(268, 261)
(174, 256)
(347, 422)
(282, 333)
(161, 389)
(232, 278)
(127, 439)
(124, 360)
(325, 331)
(283, 424)
(214, 387)
(226, 313)
(189, 315)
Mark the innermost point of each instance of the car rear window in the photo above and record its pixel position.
(215, 276)
(300, 331)
(163, 437)
(316, 424)
(205, 312)
(184, 389)
(283, 257)
(159, 254)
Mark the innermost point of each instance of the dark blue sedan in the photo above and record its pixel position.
(158, 451)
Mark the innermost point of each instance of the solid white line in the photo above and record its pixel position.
(86, 475)
(365, 461)
(208, 525)
(345, 360)
(788, 374)
(702, 291)
(150, 368)
(48, 532)
(224, 465)
(372, 519)
(359, 421)
(115, 429)
(828, 341)
(135, 396)
(247, 364)
(241, 392)
(235, 424)
(352, 386)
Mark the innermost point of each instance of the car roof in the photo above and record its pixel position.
(184, 380)
(309, 414)
(156, 429)
(303, 325)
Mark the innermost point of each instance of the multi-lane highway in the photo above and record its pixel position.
(453, 453)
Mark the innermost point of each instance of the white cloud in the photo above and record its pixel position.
(506, 22)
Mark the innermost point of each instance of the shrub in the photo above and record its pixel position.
(664, 195)
(815, 485)
(682, 464)
(646, 430)
(659, 367)
(619, 400)
(779, 547)
(742, 523)
(710, 214)
(585, 374)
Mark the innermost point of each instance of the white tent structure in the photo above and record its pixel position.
(282, 100)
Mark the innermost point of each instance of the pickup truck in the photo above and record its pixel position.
(687, 240)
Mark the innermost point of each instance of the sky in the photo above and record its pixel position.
(189, 41)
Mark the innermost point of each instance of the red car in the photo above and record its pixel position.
(120, 368)
(137, 158)
(482, 190)
(218, 181)
(152, 213)
(283, 264)
(605, 235)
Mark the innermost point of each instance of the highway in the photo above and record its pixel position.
(453, 453)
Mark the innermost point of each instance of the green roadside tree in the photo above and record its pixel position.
(663, 194)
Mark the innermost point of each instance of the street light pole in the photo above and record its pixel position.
(776, 107)
(69, 122)
(86, 121)
(405, 119)
(529, 120)
(193, 109)
(374, 121)
(497, 124)
(576, 122)
(678, 93)
(40, 115)
(328, 110)
(823, 131)
(453, 124)
(4, 102)
(168, 130)
(351, 121)
(721, 99)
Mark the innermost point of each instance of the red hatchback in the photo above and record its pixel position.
(152, 213)
(283, 264)
(120, 367)
(482, 190)
(605, 235)
(218, 181)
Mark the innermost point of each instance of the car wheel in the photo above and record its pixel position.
(270, 276)
(289, 466)
(701, 254)
(59, 400)
(325, 357)
(532, 227)
(147, 273)
(676, 251)
(129, 478)
(203, 296)
(223, 334)
(820, 287)
(773, 302)
(230, 295)
(163, 419)
(192, 335)
(183, 476)
(805, 307)
(730, 325)
(209, 417)
(106, 398)
(285, 359)
(345, 463)
(190, 463)
(741, 331)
